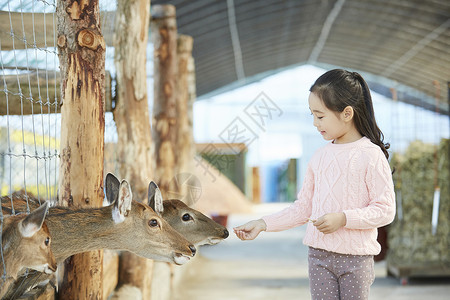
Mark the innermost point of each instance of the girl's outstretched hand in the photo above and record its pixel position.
(329, 223)
(250, 230)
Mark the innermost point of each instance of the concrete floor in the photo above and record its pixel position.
(274, 266)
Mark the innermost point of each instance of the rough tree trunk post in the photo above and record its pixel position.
(164, 132)
(192, 94)
(132, 120)
(185, 138)
(164, 35)
(163, 273)
(82, 63)
(131, 113)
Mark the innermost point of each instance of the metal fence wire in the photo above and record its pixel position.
(29, 119)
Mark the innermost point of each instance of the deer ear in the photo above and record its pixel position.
(112, 188)
(155, 200)
(33, 222)
(123, 204)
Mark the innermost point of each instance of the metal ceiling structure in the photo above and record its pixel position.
(396, 44)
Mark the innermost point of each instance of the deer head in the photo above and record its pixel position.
(145, 233)
(192, 224)
(26, 244)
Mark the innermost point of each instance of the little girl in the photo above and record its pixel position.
(347, 192)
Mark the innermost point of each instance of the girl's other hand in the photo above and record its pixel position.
(329, 223)
(250, 230)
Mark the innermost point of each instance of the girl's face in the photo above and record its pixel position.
(333, 125)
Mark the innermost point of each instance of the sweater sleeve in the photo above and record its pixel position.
(381, 208)
(298, 212)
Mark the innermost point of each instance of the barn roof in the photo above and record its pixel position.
(401, 44)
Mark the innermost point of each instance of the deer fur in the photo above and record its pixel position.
(123, 225)
(192, 224)
(25, 244)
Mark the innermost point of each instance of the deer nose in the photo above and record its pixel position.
(225, 234)
(193, 250)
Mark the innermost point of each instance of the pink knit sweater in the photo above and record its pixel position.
(354, 178)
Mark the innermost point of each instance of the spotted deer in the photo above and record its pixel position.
(125, 224)
(25, 244)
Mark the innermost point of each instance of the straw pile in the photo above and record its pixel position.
(219, 195)
(411, 242)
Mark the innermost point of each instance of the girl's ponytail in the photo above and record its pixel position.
(373, 132)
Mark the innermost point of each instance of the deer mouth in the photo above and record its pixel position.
(47, 269)
(180, 259)
(209, 241)
(213, 241)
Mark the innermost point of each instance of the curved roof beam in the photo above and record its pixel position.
(239, 65)
(416, 49)
(325, 31)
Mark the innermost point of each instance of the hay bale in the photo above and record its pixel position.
(411, 241)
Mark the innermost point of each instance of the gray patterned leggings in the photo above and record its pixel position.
(339, 276)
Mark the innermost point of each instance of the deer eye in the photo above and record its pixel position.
(47, 241)
(153, 223)
(187, 217)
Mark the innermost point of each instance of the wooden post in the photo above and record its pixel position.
(164, 132)
(110, 272)
(256, 185)
(163, 273)
(131, 113)
(132, 120)
(82, 64)
(185, 137)
(164, 35)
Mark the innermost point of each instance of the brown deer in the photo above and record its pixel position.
(124, 225)
(25, 244)
(192, 224)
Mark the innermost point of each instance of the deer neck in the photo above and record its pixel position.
(10, 246)
(79, 230)
(12, 254)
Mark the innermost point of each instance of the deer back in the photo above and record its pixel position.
(192, 224)
(21, 202)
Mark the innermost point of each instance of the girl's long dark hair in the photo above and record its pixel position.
(340, 88)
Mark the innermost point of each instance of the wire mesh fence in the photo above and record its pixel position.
(29, 125)
(29, 97)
